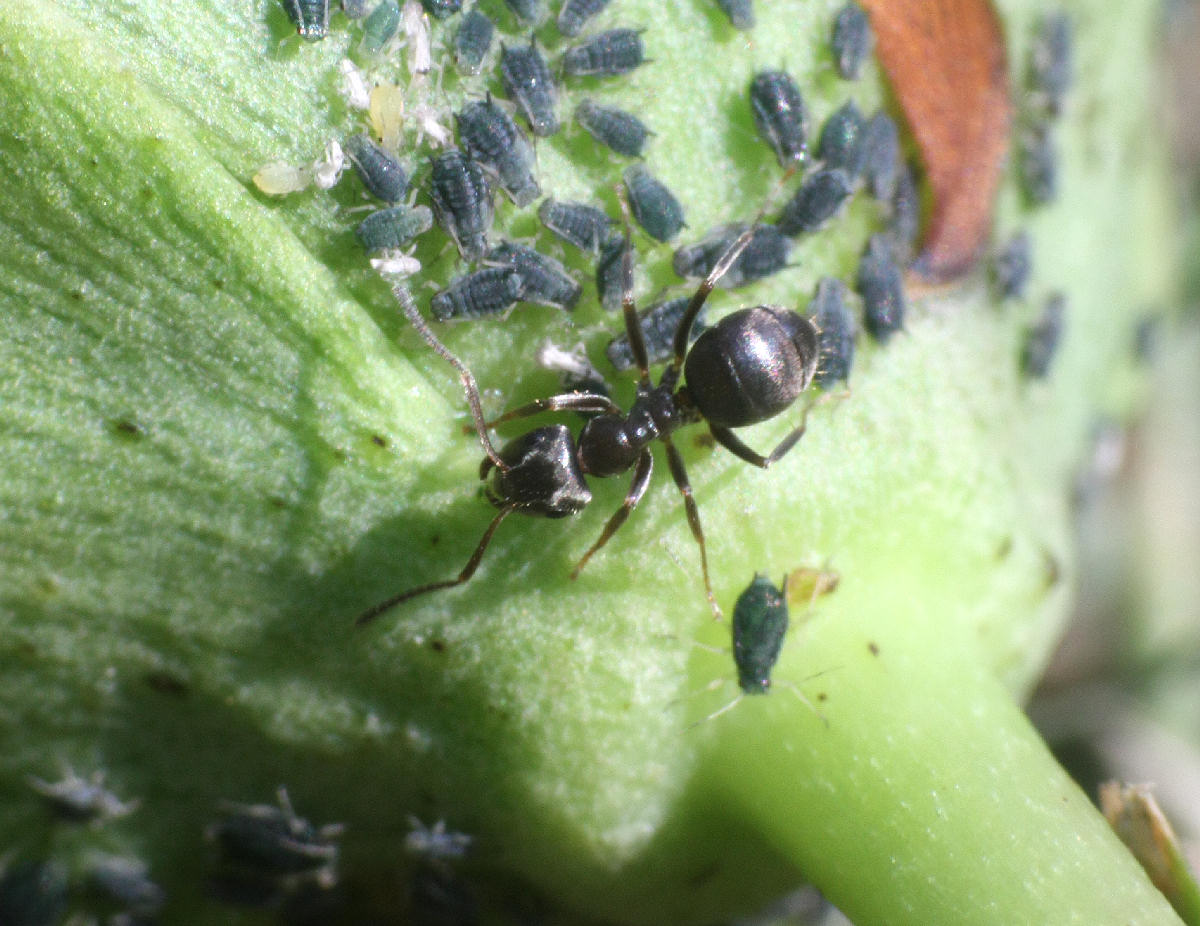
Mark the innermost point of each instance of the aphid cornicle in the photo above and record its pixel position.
(779, 115)
(658, 332)
(484, 293)
(462, 201)
(381, 173)
(841, 143)
(740, 12)
(543, 279)
(491, 138)
(578, 224)
(623, 132)
(473, 41)
(380, 27)
(836, 331)
(607, 54)
(388, 229)
(749, 367)
(311, 18)
(816, 201)
(575, 14)
(767, 253)
(654, 207)
(881, 286)
(852, 40)
(528, 83)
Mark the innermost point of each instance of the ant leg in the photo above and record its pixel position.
(679, 474)
(633, 324)
(409, 306)
(566, 401)
(731, 442)
(641, 479)
(468, 570)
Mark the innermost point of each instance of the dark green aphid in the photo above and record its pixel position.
(779, 115)
(1039, 164)
(607, 54)
(382, 175)
(817, 200)
(33, 893)
(881, 286)
(528, 12)
(473, 41)
(462, 201)
(904, 223)
(440, 9)
(841, 143)
(126, 883)
(766, 253)
(881, 155)
(1050, 62)
(575, 13)
(653, 205)
(529, 84)
(1012, 266)
(486, 292)
(82, 799)
(393, 228)
(623, 132)
(852, 40)
(610, 271)
(311, 18)
(380, 27)
(272, 841)
(579, 224)
(1041, 343)
(836, 331)
(491, 138)
(543, 279)
(760, 622)
(356, 9)
(740, 12)
(658, 332)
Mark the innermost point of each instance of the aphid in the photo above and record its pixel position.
(808, 583)
(486, 292)
(575, 14)
(356, 9)
(386, 113)
(82, 799)
(882, 289)
(749, 367)
(905, 220)
(441, 9)
(740, 12)
(528, 12)
(393, 262)
(779, 115)
(279, 178)
(327, 170)
(275, 842)
(491, 138)
(543, 279)
(579, 224)
(816, 201)
(389, 229)
(528, 83)
(881, 156)
(836, 331)
(435, 842)
(125, 881)
(416, 38)
(610, 274)
(429, 123)
(841, 143)
(1039, 164)
(1041, 342)
(1050, 62)
(33, 893)
(473, 41)
(606, 54)
(623, 132)
(1012, 266)
(767, 253)
(380, 27)
(354, 87)
(462, 201)
(658, 334)
(852, 40)
(760, 622)
(311, 18)
(654, 206)
(382, 175)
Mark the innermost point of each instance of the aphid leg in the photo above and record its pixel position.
(641, 479)
(564, 402)
(717, 713)
(731, 442)
(409, 306)
(467, 571)
(679, 474)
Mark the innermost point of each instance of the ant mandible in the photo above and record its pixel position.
(750, 366)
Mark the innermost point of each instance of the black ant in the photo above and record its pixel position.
(748, 367)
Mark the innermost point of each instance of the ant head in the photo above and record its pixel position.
(543, 475)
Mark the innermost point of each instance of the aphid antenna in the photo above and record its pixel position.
(409, 306)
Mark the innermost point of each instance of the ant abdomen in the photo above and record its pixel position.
(751, 365)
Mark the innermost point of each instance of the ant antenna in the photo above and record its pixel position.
(409, 306)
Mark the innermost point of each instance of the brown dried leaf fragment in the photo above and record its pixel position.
(947, 65)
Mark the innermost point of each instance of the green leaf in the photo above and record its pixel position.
(224, 444)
